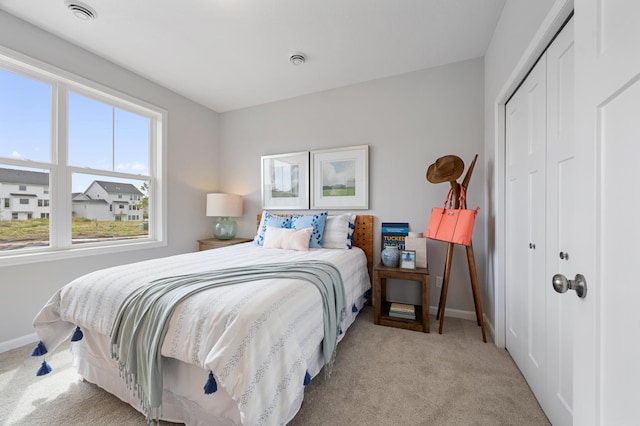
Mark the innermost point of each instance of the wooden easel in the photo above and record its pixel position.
(470, 260)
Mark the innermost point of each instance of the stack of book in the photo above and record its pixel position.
(402, 310)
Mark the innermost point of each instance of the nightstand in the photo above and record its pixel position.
(381, 305)
(214, 243)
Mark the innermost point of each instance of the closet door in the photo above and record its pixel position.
(525, 221)
(543, 200)
(563, 207)
(607, 347)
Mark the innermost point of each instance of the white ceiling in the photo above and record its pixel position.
(230, 54)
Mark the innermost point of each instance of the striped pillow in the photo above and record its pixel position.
(338, 232)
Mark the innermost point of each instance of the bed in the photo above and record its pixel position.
(232, 354)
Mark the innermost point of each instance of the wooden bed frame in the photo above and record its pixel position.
(362, 236)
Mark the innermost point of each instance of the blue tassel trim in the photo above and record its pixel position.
(39, 350)
(354, 309)
(211, 386)
(307, 378)
(367, 294)
(44, 369)
(340, 330)
(77, 335)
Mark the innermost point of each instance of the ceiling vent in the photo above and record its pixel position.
(297, 58)
(81, 11)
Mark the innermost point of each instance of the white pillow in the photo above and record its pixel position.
(338, 232)
(288, 239)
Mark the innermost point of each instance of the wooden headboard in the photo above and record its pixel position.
(362, 236)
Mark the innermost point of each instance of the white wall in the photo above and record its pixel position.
(518, 24)
(408, 121)
(191, 167)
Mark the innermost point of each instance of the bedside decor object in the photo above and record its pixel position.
(225, 207)
(402, 310)
(390, 256)
(416, 241)
(394, 234)
(408, 259)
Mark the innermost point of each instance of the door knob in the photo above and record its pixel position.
(561, 284)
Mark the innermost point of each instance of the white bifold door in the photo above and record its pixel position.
(573, 129)
(542, 199)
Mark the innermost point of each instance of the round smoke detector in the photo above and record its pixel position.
(297, 58)
(81, 11)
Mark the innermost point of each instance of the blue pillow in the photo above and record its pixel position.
(316, 222)
(271, 220)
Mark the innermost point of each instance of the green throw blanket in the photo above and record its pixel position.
(143, 318)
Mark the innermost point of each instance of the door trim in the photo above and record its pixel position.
(552, 23)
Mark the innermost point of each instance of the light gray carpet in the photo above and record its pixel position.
(382, 376)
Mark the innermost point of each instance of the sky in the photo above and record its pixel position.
(100, 136)
(338, 172)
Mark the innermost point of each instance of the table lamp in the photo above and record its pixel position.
(225, 207)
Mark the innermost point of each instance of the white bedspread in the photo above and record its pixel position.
(221, 329)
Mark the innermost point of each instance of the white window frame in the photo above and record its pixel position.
(60, 172)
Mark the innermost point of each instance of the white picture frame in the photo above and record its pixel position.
(340, 178)
(285, 181)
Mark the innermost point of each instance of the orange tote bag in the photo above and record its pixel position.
(452, 225)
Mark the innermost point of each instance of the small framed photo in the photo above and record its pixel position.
(408, 259)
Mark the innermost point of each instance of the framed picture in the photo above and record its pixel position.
(340, 178)
(285, 181)
(408, 259)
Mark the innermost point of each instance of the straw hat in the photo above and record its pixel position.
(445, 169)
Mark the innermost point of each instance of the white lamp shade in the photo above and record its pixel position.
(228, 205)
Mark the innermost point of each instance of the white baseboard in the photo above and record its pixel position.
(20, 341)
(467, 315)
(490, 330)
(454, 313)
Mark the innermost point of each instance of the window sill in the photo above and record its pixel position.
(38, 256)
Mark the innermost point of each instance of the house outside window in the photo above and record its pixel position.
(124, 152)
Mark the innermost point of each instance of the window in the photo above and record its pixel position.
(105, 145)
